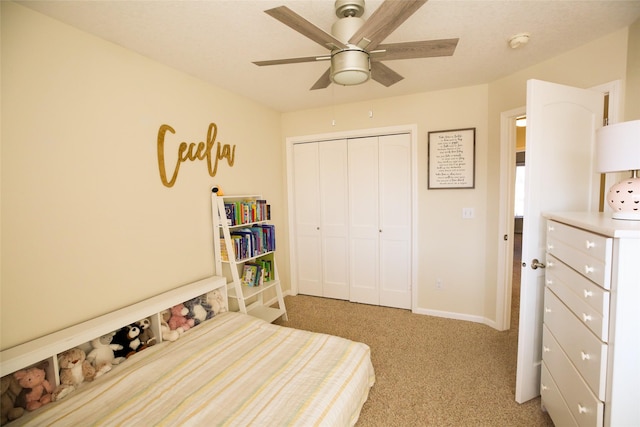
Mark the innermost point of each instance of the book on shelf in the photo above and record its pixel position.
(224, 254)
(252, 274)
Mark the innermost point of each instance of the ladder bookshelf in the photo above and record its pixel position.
(243, 237)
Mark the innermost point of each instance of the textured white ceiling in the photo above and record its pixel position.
(217, 40)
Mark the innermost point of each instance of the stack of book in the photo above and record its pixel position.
(247, 212)
(255, 274)
(251, 242)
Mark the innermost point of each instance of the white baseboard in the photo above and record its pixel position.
(451, 315)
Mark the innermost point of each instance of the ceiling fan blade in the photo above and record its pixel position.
(291, 19)
(292, 60)
(389, 16)
(410, 50)
(384, 75)
(324, 81)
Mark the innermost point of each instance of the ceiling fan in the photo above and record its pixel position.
(355, 44)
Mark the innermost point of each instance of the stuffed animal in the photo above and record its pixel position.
(36, 390)
(11, 389)
(102, 355)
(74, 370)
(199, 310)
(178, 318)
(167, 333)
(129, 338)
(216, 301)
(147, 338)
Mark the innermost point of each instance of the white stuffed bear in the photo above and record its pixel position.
(101, 356)
(217, 302)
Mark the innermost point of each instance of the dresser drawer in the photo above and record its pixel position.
(592, 245)
(594, 269)
(553, 401)
(587, 409)
(587, 353)
(588, 301)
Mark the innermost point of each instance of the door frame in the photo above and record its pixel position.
(412, 130)
(507, 188)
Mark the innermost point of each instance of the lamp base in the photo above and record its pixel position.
(624, 199)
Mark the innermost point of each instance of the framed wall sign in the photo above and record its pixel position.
(452, 158)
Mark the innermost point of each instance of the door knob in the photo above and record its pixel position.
(535, 264)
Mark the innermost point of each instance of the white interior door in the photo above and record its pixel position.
(395, 220)
(334, 199)
(561, 124)
(364, 247)
(308, 245)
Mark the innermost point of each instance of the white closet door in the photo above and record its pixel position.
(334, 218)
(308, 271)
(395, 220)
(363, 220)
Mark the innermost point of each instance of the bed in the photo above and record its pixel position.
(232, 370)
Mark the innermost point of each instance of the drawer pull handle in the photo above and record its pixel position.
(586, 317)
(549, 247)
(584, 356)
(582, 409)
(551, 228)
(587, 293)
(550, 264)
(544, 387)
(549, 282)
(588, 269)
(546, 349)
(547, 310)
(590, 244)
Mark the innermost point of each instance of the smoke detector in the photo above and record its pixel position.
(519, 40)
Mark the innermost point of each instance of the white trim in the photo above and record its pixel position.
(451, 315)
(412, 130)
(505, 218)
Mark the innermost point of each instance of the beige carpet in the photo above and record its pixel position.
(429, 371)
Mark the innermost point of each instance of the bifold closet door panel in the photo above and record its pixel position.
(334, 216)
(321, 218)
(308, 253)
(395, 220)
(363, 220)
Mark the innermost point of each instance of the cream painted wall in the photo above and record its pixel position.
(464, 252)
(632, 105)
(87, 225)
(449, 247)
(593, 64)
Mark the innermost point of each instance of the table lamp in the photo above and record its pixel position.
(617, 150)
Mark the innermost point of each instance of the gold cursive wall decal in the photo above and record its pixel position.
(194, 151)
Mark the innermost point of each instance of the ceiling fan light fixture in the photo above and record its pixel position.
(350, 67)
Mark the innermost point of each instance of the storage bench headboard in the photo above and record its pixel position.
(48, 347)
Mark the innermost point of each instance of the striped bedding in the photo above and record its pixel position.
(233, 370)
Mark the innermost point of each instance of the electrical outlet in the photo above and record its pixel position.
(468, 213)
(438, 283)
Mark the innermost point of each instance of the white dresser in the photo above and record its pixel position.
(591, 332)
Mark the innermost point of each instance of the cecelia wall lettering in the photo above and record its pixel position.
(193, 151)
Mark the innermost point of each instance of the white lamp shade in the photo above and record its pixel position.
(618, 147)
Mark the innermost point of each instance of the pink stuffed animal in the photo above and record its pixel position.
(178, 318)
(36, 388)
